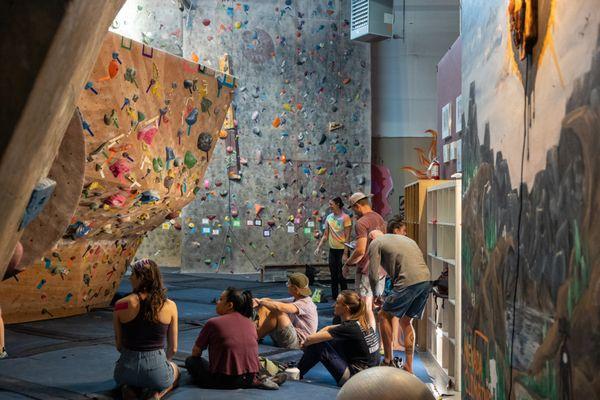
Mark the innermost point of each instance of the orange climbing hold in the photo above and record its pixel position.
(298, 106)
(113, 68)
(276, 122)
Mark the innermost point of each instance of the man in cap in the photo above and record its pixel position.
(288, 321)
(368, 221)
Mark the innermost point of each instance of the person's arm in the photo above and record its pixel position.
(118, 332)
(172, 334)
(374, 263)
(359, 251)
(288, 308)
(202, 339)
(323, 239)
(322, 336)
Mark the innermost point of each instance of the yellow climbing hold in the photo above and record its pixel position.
(321, 171)
(237, 25)
(287, 106)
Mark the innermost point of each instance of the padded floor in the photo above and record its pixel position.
(73, 358)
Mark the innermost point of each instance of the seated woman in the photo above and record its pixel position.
(142, 321)
(343, 349)
(232, 347)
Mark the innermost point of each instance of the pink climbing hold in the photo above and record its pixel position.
(229, 149)
(147, 134)
(206, 184)
(116, 200)
(119, 168)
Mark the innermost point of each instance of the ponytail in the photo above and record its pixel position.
(357, 307)
(241, 300)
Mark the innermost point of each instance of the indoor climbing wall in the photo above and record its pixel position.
(531, 264)
(149, 122)
(303, 117)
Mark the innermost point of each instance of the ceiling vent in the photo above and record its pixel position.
(371, 20)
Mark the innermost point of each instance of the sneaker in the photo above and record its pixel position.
(3, 353)
(267, 384)
(280, 378)
(395, 363)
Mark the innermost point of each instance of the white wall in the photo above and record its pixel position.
(403, 75)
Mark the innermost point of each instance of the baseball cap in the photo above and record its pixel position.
(357, 197)
(301, 282)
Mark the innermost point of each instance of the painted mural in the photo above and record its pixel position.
(531, 270)
(303, 123)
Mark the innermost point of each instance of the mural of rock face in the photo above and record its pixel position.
(531, 270)
(301, 77)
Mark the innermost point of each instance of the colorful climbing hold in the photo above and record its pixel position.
(189, 160)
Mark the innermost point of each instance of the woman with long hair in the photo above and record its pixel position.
(343, 349)
(338, 226)
(232, 344)
(143, 322)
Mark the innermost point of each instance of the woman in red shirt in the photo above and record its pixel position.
(232, 344)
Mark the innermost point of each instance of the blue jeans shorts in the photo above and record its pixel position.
(144, 369)
(409, 301)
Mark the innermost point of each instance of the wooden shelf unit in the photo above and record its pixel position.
(443, 251)
(415, 219)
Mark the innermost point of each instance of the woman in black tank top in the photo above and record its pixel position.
(146, 321)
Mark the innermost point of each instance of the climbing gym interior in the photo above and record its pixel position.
(334, 199)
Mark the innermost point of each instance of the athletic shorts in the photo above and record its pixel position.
(409, 301)
(363, 285)
(286, 337)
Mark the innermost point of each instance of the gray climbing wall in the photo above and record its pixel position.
(298, 72)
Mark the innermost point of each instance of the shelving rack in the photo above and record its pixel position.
(443, 251)
(415, 219)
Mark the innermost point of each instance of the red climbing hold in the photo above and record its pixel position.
(147, 134)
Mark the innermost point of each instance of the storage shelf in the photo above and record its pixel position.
(443, 256)
(441, 223)
(446, 260)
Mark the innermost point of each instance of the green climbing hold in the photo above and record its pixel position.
(157, 164)
(141, 116)
(189, 159)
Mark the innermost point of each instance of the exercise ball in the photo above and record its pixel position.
(384, 383)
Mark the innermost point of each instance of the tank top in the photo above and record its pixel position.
(142, 335)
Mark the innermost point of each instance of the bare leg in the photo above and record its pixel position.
(398, 343)
(385, 321)
(267, 321)
(271, 320)
(1, 331)
(370, 315)
(174, 385)
(409, 342)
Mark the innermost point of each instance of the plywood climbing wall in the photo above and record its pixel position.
(150, 122)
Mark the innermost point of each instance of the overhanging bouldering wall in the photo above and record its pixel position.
(304, 122)
(530, 259)
(149, 122)
(158, 24)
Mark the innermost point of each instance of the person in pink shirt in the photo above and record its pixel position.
(288, 321)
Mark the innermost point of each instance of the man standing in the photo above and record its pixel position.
(368, 221)
(402, 260)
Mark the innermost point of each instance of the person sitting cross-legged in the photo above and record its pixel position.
(288, 321)
(232, 347)
(343, 349)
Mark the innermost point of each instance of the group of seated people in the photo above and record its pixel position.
(146, 322)
(145, 325)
